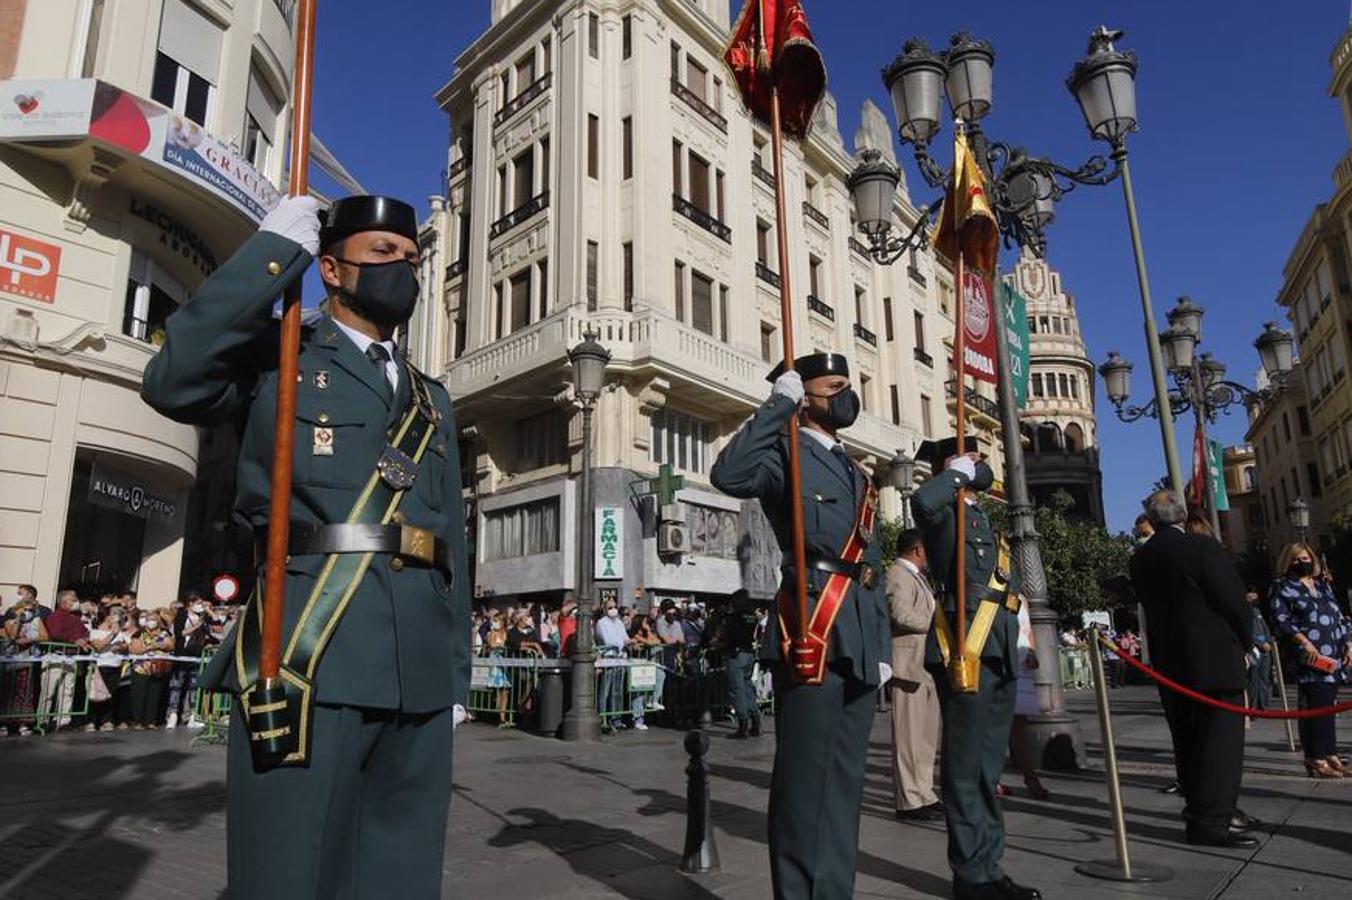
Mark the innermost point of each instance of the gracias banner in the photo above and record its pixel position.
(979, 324)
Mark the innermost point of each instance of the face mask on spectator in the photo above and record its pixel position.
(612, 611)
(496, 626)
(147, 623)
(1302, 569)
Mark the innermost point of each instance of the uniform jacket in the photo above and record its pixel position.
(755, 463)
(403, 642)
(911, 603)
(933, 505)
(1200, 625)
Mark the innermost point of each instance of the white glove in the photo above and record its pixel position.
(884, 673)
(297, 219)
(963, 464)
(790, 385)
(457, 716)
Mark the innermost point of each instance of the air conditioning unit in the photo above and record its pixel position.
(672, 537)
(673, 512)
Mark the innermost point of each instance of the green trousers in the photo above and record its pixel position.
(365, 818)
(975, 739)
(741, 690)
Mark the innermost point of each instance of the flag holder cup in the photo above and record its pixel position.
(1121, 868)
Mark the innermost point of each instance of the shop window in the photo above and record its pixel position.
(523, 530)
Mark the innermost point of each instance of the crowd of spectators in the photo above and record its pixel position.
(103, 663)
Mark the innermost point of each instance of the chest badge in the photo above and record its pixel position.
(321, 378)
(323, 445)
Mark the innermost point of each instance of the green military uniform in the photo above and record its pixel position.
(975, 725)
(821, 731)
(737, 640)
(368, 808)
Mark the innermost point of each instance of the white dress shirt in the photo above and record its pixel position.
(363, 341)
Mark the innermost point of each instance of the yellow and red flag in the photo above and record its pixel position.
(772, 47)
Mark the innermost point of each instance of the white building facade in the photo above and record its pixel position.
(604, 178)
(140, 143)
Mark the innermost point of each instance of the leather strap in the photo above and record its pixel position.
(855, 571)
(406, 541)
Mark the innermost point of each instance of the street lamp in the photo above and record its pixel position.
(1276, 351)
(589, 361)
(1299, 512)
(901, 475)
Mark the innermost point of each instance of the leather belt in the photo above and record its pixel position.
(861, 572)
(404, 542)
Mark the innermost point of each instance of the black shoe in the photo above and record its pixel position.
(755, 727)
(1231, 840)
(1171, 788)
(932, 813)
(741, 733)
(1004, 889)
(1242, 821)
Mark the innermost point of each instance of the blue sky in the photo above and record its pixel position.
(1237, 144)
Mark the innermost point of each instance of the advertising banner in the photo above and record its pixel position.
(609, 542)
(28, 267)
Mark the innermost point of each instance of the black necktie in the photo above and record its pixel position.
(378, 356)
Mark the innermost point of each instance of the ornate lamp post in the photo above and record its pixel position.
(589, 361)
(1023, 190)
(1299, 512)
(901, 475)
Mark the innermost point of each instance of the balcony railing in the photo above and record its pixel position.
(523, 212)
(917, 276)
(458, 168)
(820, 307)
(865, 335)
(455, 269)
(701, 218)
(764, 174)
(766, 274)
(816, 215)
(923, 358)
(857, 246)
(713, 116)
(514, 105)
(983, 405)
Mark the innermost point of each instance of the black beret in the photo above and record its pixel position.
(936, 452)
(815, 365)
(364, 212)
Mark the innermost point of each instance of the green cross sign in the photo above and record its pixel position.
(666, 484)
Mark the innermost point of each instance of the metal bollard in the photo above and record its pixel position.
(1286, 707)
(700, 853)
(1120, 869)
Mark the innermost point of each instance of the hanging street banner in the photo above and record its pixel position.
(978, 322)
(609, 542)
(1216, 475)
(1015, 309)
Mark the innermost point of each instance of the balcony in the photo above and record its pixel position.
(917, 276)
(701, 218)
(876, 435)
(517, 103)
(865, 335)
(523, 212)
(711, 115)
(458, 168)
(767, 275)
(923, 358)
(981, 405)
(816, 215)
(455, 270)
(820, 307)
(857, 246)
(765, 175)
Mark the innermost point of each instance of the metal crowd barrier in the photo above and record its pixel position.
(212, 708)
(40, 688)
(1076, 671)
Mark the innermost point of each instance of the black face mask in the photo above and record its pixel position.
(385, 293)
(984, 479)
(842, 408)
(1302, 569)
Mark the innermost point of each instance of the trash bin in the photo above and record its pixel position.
(549, 700)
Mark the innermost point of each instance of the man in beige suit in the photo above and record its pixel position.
(915, 706)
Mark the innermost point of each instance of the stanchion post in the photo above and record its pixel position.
(1286, 706)
(701, 855)
(1121, 868)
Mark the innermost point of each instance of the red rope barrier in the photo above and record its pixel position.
(1174, 686)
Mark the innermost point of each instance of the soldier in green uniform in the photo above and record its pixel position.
(975, 724)
(737, 639)
(376, 629)
(821, 724)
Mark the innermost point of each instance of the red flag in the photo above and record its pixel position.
(771, 45)
(978, 321)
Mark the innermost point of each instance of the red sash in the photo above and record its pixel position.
(808, 656)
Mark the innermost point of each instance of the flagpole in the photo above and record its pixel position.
(960, 501)
(786, 329)
(279, 507)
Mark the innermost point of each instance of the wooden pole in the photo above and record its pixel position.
(786, 329)
(279, 508)
(960, 510)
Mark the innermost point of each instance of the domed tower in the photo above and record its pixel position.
(1057, 424)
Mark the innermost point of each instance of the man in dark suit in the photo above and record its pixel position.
(376, 624)
(1199, 630)
(821, 729)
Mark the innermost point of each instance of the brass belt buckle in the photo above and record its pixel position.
(417, 543)
(396, 468)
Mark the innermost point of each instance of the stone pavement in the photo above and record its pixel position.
(141, 815)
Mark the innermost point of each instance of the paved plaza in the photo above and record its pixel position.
(141, 815)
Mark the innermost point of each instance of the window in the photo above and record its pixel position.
(723, 312)
(681, 441)
(1312, 475)
(89, 63)
(546, 63)
(1043, 325)
(180, 89)
(1050, 381)
(593, 148)
(504, 89)
(593, 35)
(188, 61)
(1065, 386)
(502, 191)
(1303, 420)
(926, 424)
(1075, 387)
(696, 79)
(1032, 325)
(814, 266)
(718, 196)
(497, 311)
(767, 335)
(1286, 426)
(701, 302)
(593, 250)
(1037, 384)
(523, 530)
(543, 282)
(865, 392)
(861, 306)
(887, 317)
(680, 291)
(919, 332)
(675, 61)
(677, 185)
(699, 182)
(1056, 324)
(810, 189)
(627, 156)
(152, 295)
(520, 286)
(544, 164)
(523, 178)
(541, 440)
(261, 109)
(525, 71)
(628, 253)
(762, 243)
(626, 37)
(896, 404)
